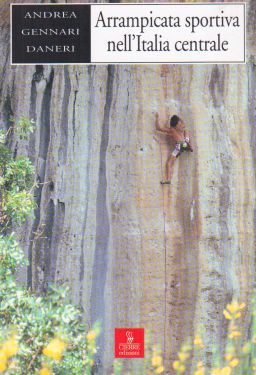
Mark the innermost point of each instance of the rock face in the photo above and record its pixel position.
(134, 253)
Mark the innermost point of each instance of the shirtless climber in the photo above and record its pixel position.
(178, 133)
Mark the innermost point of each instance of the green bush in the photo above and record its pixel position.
(16, 182)
(19, 173)
(36, 320)
(17, 205)
(2, 136)
(23, 127)
(11, 256)
(32, 321)
(5, 157)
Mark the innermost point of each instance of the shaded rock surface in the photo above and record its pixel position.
(136, 254)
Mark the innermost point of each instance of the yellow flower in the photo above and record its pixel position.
(234, 362)
(198, 341)
(234, 307)
(199, 364)
(254, 339)
(226, 371)
(91, 335)
(3, 361)
(55, 349)
(199, 371)
(227, 314)
(3, 366)
(156, 361)
(183, 356)
(10, 347)
(159, 370)
(45, 371)
(234, 334)
(228, 357)
(176, 365)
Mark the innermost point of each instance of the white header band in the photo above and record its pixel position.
(168, 33)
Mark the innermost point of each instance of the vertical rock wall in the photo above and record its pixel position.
(135, 253)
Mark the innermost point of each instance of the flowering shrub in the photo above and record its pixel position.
(239, 357)
(45, 326)
(48, 336)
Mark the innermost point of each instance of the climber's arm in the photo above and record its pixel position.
(160, 129)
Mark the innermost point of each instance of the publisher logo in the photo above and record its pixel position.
(129, 342)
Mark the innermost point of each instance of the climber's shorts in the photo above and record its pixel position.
(179, 147)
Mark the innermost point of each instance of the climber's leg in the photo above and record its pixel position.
(169, 164)
(169, 169)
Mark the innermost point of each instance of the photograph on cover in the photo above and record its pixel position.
(127, 216)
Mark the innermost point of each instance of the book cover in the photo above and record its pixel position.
(136, 253)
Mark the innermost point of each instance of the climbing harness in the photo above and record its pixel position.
(181, 146)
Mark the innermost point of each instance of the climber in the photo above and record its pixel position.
(178, 133)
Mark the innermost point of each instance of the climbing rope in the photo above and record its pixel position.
(165, 252)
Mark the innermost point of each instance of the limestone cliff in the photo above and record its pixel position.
(135, 253)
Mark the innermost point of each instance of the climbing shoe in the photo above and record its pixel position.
(168, 182)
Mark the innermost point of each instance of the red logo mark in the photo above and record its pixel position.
(129, 342)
